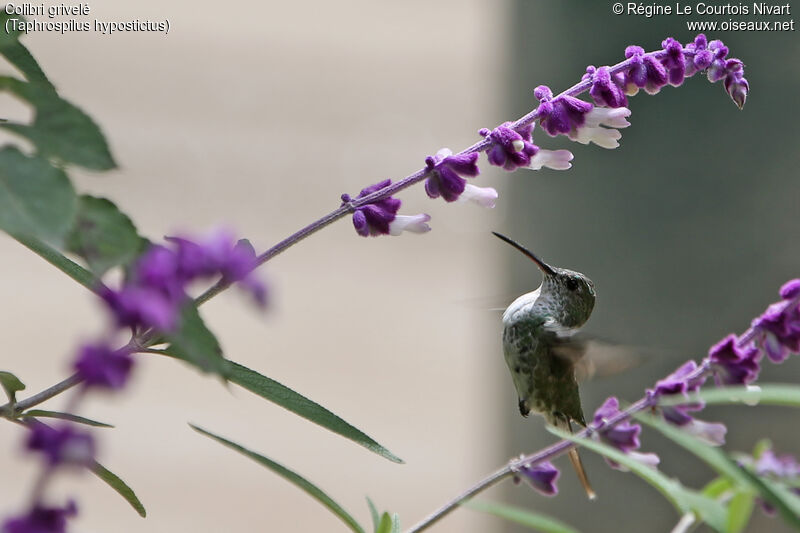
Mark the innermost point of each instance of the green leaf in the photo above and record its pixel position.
(55, 258)
(120, 486)
(288, 399)
(19, 56)
(59, 130)
(36, 198)
(10, 37)
(717, 487)
(740, 508)
(294, 478)
(767, 394)
(195, 344)
(11, 385)
(536, 521)
(388, 524)
(36, 413)
(683, 498)
(787, 503)
(103, 235)
(373, 512)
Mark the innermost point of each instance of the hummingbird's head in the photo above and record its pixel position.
(565, 295)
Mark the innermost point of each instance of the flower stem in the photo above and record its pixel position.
(545, 454)
(40, 397)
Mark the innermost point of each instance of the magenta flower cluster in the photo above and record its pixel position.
(150, 300)
(510, 145)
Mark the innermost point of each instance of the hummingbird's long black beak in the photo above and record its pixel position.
(547, 269)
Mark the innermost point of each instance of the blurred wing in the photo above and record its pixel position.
(597, 358)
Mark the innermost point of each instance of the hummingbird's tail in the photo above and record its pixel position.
(575, 459)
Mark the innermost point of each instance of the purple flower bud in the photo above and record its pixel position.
(381, 218)
(447, 173)
(134, 306)
(63, 445)
(790, 289)
(645, 72)
(624, 436)
(541, 476)
(702, 56)
(579, 120)
(42, 519)
(515, 149)
(733, 365)
(717, 70)
(736, 85)
(607, 89)
(712, 433)
(101, 366)
(778, 328)
(784, 466)
(674, 61)
(678, 382)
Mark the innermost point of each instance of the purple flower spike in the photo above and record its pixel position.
(541, 476)
(607, 90)
(381, 218)
(579, 120)
(645, 72)
(674, 61)
(62, 445)
(100, 366)
(733, 365)
(447, 178)
(42, 519)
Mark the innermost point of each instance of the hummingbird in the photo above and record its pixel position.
(539, 349)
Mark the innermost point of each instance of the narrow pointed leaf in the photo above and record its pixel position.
(10, 37)
(373, 512)
(717, 487)
(385, 525)
(682, 498)
(36, 198)
(58, 260)
(767, 394)
(388, 524)
(294, 478)
(41, 413)
(103, 235)
(60, 130)
(19, 56)
(120, 486)
(195, 344)
(523, 517)
(787, 503)
(288, 399)
(11, 385)
(740, 508)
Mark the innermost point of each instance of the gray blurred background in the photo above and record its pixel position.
(258, 118)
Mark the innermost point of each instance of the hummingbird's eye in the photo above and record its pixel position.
(572, 284)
